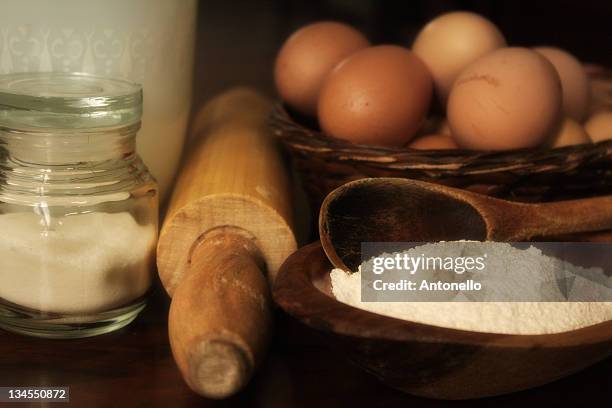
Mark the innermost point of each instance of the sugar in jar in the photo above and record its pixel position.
(78, 208)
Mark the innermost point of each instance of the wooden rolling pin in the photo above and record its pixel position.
(228, 225)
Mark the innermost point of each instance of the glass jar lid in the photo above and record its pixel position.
(57, 100)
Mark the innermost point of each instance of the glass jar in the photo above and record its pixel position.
(147, 41)
(78, 208)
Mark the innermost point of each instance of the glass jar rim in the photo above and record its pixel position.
(59, 100)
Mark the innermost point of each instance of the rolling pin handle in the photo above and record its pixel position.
(220, 316)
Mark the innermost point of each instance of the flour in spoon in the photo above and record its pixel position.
(528, 265)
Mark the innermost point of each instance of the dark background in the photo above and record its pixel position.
(238, 39)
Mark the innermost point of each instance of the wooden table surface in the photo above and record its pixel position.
(134, 367)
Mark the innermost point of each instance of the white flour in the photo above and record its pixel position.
(530, 268)
(82, 263)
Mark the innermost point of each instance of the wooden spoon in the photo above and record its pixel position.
(403, 210)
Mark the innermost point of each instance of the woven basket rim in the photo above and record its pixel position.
(311, 141)
(281, 115)
(301, 138)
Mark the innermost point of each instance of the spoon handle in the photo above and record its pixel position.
(563, 217)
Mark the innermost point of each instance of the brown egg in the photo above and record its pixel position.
(574, 81)
(452, 41)
(508, 99)
(308, 56)
(599, 126)
(570, 133)
(377, 96)
(434, 142)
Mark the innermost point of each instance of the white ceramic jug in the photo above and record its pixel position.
(146, 41)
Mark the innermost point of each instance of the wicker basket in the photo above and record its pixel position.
(529, 175)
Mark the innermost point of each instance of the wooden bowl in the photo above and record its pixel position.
(426, 360)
